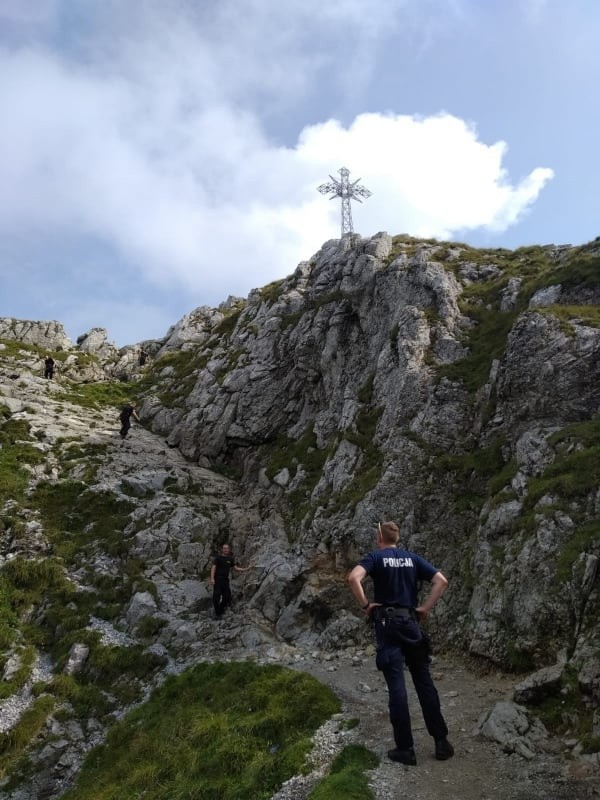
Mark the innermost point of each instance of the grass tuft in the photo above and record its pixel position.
(346, 778)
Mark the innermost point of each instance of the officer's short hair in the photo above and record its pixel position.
(389, 532)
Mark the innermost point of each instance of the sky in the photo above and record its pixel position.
(160, 155)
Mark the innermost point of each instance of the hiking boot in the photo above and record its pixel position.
(443, 750)
(407, 757)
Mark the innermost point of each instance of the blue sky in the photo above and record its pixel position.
(159, 155)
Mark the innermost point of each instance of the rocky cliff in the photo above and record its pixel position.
(451, 389)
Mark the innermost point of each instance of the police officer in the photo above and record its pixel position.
(400, 639)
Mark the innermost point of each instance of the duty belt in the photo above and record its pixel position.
(389, 612)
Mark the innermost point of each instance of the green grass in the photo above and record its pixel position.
(9, 619)
(40, 590)
(272, 291)
(476, 475)
(26, 656)
(41, 607)
(216, 732)
(16, 350)
(346, 778)
(76, 519)
(14, 742)
(184, 366)
(486, 342)
(86, 700)
(585, 538)
(225, 328)
(76, 455)
(98, 395)
(575, 472)
(567, 713)
(587, 315)
(481, 302)
(286, 452)
(27, 584)
(16, 452)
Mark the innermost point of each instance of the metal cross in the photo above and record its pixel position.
(347, 191)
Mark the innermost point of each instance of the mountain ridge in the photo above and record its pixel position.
(455, 390)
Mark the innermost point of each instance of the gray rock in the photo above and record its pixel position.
(533, 453)
(12, 666)
(541, 684)
(77, 657)
(511, 726)
(547, 296)
(49, 335)
(142, 604)
(510, 294)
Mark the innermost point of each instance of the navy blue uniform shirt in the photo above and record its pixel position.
(395, 574)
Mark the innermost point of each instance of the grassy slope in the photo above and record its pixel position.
(216, 732)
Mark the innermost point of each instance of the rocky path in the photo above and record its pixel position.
(480, 770)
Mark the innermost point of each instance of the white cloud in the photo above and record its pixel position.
(156, 151)
(430, 176)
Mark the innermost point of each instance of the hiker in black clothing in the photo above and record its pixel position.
(48, 367)
(219, 578)
(143, 357)
(125, 416)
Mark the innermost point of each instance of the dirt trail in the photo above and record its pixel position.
(479, 769)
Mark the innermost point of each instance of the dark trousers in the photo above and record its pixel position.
(221, 596)
(125, 428)
(391, 658)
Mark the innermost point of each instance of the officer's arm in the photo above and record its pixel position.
(355, 580)
(438, 587)
(212, 573)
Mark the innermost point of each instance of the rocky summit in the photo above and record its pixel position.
(452, 389)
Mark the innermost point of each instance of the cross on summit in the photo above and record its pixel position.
(347, 191)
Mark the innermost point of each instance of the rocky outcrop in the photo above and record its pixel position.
(92, 359)
(350, 392)
(48, 335)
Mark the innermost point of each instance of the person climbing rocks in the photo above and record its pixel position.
(222, 565)
(48, 367)
(142, 357)
(127, 412)
(400, 639)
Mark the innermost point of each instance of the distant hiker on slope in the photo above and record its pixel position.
(48, 367)
(127, 412)
(219, 578)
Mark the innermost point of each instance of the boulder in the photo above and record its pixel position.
(512, 727)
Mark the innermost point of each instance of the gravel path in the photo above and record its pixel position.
(479, 769)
